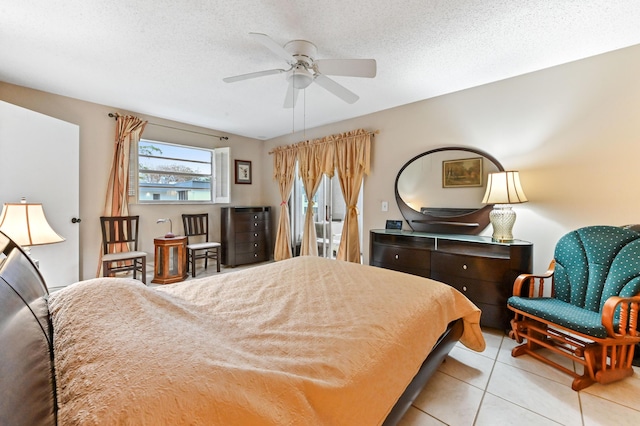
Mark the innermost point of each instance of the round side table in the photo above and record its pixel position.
(170, 260)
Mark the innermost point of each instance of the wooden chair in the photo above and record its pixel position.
(196, 227)
(120, 247)
(590, 312)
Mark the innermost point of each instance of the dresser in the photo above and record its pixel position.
(483, 270)
(246, 235)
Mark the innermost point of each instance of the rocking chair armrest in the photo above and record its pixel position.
(523, 279)
(628, 318)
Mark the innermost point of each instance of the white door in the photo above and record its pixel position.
(39, 160)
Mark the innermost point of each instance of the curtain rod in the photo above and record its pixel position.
(293, 146)
(116, 115)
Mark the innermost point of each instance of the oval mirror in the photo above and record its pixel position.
(441, 190)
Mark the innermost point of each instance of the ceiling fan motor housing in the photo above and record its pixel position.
(304, 51)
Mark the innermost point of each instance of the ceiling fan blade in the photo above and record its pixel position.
(270, 44)
(291, 97)
(337, 89)
(251, 75)
(347, 67)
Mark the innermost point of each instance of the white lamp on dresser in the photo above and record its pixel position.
(503, 189)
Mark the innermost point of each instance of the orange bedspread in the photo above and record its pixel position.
(307, 341)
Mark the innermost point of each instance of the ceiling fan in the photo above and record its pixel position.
(305, 69)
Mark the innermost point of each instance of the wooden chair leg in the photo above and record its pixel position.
(193, 264)
(143, 270)
(105, 269)
(218, 257)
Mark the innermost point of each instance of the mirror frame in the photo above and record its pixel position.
(469, 223)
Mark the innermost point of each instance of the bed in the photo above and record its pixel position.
(304, 341)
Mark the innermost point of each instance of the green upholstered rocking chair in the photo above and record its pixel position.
(590, 312)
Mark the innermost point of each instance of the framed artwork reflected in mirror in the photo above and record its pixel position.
(462, 173)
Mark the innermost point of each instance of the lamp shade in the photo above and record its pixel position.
(504, 188)
(26, 224)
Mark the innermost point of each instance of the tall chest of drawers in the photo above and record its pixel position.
(483, 270)
(246, 235)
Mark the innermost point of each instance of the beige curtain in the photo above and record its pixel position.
(352, 152)
(284, 164)
(314, 159)
(128, 132)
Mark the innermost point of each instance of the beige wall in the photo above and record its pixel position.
(97, 132)
(573, 132)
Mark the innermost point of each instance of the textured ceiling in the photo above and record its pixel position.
(167, 58)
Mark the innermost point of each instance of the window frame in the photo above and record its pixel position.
(219, 187)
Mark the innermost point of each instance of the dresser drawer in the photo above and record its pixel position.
(422, 272)
(479, 268)
(251, 247)
(495, 316)
(251, 216)
(390, 256)
(254, 225)
(242, 258)
(477, 291)
(247, 237)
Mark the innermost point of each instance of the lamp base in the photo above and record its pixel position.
(502, 219)
(27, 250)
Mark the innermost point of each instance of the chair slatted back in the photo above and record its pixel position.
(196, 225)
(119, 231)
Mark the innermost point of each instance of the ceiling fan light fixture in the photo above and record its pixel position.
(301, 78)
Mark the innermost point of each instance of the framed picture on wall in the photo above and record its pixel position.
(243, 171)
(462, 173)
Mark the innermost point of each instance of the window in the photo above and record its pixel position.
(179, 173)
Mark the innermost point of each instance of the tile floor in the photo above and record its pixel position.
(493, 388)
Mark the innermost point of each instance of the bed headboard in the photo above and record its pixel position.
(27, 380)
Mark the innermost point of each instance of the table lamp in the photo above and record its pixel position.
(503, 188)
(169, 234)
(26, 224)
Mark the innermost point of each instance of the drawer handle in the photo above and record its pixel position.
(255, 224)
(255, 254)
(255, 244)
(464, 288)
(255, 235)
(255, 217)
(464, 266)
(397, 256)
